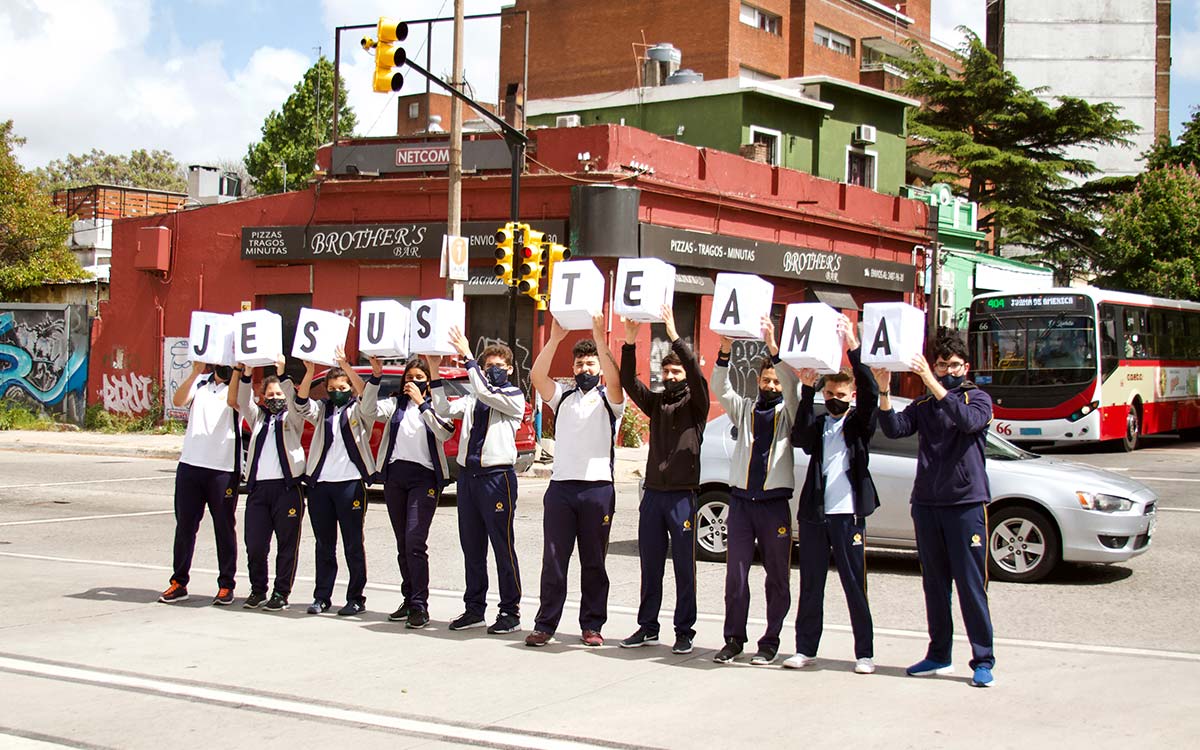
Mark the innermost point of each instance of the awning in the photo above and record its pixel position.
(887, 47)
(693, 281)
(836, 298)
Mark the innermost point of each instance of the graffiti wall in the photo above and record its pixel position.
(176, 368)
(44, 357)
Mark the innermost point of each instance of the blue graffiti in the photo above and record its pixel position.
(16, 364)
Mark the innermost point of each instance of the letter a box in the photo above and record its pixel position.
(740, 302)
(893, 333)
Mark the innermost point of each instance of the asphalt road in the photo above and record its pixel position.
(1102, 656)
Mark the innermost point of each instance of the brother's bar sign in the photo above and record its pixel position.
(373, 241)
(687, 248)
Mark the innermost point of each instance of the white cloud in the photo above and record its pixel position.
(111, 94)
(947, 15)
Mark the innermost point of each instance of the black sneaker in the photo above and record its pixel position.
(466, 621)
(733, 647)
(505, 623)
(765, 656)
(352, 608)
(224, 597)
(641, 638)
(417, 619)
(319, 606)
(683, 645)
(254, 601)
(401, 613)
(277, 602)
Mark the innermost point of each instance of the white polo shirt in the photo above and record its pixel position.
(585, 434)
(268, 462)
(337, 467)
(839, 497)
(412, 439)
(209, 442)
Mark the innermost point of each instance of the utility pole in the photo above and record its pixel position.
(317, 112)
(454, 219)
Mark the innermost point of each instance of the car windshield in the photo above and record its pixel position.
(999, 449)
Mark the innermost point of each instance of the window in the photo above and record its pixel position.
(860, 167)
(760, 19)
(841, 43)
(770, 138)
(414, 110)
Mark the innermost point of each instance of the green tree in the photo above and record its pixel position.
(156, 170)
(1181, 154)
(1153, 235)
(291, 135)
(33, 234)
(1015, 154)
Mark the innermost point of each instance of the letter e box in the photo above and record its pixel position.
(210, 338)
(740, 302)
(430, 325)
(810, 338)
(383, 328)
(257, 337)
(318, 333)
(644, 285)
(893, 333)
(576, 294)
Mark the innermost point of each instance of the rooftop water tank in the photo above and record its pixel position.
(687, 75)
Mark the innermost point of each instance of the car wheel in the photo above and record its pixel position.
(1133, 427)
(1023, 545)
(712, 514)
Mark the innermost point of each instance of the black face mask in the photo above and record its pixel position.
(339, 398)
(497, 375)
(950, 382)
(422, 386)
(224, 372)
(675, 389)
(768, 399)
(586, 382)
(836, 406)
(275, 405)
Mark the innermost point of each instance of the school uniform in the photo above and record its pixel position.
(274, 473)
(837, 496)
(667, 513)
(579, 504)
(762, 475)
(949, 512)
(207, 476)
(487, 484)
(412, 466)
(339, 465)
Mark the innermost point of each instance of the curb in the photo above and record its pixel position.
(93, 450)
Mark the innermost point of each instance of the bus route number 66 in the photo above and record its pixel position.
(1004, 428)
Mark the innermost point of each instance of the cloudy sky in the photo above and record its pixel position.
(197, 77)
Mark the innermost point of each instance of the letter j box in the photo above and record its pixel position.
(318, 334)
(210, 338)
(893, 333)
(644, 285)
(576, 294)
(430, 324)
(810, 337)
(257, 337)
(383, 328)
(740, 302)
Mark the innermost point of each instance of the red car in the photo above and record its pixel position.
(454, 380)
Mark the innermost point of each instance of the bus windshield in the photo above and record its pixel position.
(1034, 350)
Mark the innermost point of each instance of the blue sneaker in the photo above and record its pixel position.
(927, 667)
(982, 677)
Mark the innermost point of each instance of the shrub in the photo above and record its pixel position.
(633, 426)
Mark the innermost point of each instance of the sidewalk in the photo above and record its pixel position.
(94, 443)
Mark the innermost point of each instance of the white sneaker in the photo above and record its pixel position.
(799, 661)
(866, 665)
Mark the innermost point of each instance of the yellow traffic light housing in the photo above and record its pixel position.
(532, 265)
(505, 237)
(552, 253)
(388, 55)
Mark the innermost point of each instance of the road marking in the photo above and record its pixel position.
(1179, 510)
(237, 698)
(532, 603)
(87, 518)
(1166, 479)
(86, 481)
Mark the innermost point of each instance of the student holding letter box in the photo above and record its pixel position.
(412, 465)
(837, 497)
(668, 509)
(273, 474)
(339, 462)
(762, 478)
(949, 501)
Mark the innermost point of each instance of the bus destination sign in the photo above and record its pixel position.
(1032, 303)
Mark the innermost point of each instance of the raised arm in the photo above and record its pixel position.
(804, 432)
(787, 376)
(697, 385)
(894, 424)
(506, 399)
(637, 390)
(356, 381)
(368, 403)
(183, 394)
(539, 374)
(443, 406)
(728, 398)
(608, 363)
(304, 405)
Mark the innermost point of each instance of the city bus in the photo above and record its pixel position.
(1086, 364)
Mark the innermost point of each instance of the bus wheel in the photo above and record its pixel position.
(1133, 427)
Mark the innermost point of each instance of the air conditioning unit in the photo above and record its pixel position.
(864, 134)
(567, 121)
(945, 296)
(945, 318)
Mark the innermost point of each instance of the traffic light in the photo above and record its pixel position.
(553, 253)
(532, 265)
(505, 237)
(388, 54)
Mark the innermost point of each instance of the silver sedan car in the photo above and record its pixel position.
(1044, 510)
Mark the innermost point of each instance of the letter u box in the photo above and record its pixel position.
(318, 334)
(257, 337)
(383, 328)
(210, 338)
(893, 333)
(576, 294)
(810, 337)
(740, 302)
(430, 324)
(644, 285)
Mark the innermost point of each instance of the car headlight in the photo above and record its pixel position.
(1103, 503)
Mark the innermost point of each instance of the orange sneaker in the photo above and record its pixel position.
(592, 638)
(224, 597)
(174, 593)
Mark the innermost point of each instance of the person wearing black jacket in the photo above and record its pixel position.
(837, 497)
(668, 509)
